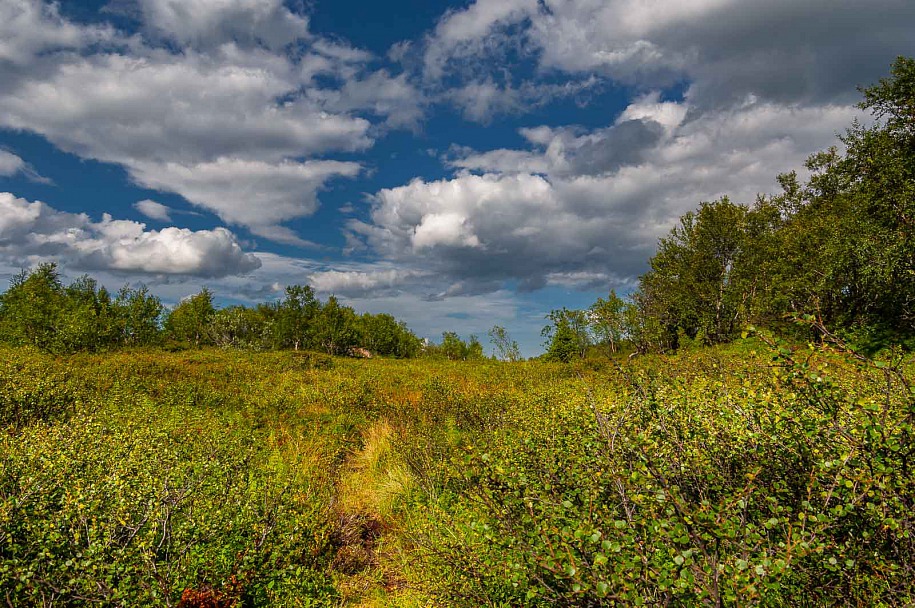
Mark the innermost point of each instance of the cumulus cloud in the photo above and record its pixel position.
(29, 28)
(212, 22)
(583, 208)
(154, 210)
(206, 102)
(782, 50)
(759, 87)
(34, 231)
(469, 32)
(255, 194)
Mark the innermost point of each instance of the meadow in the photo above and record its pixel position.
(740, 475)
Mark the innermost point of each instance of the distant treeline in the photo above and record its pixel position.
(39, 310)
(838, 248)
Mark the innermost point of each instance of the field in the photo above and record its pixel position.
(751, 474)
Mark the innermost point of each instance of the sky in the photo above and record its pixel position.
(457, 164)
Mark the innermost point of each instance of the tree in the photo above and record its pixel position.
(237, 326)
(88, 319)
(32, 310)
(607, 321)
(190, 320)
(506, 348)
(335, 328)
(453, 347)
(294, 318)
(689, 288)
(567, 336)
(384, 335)
(139, 313)
(474, 350)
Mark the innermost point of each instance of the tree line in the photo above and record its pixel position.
(839, 246)
(39, 310)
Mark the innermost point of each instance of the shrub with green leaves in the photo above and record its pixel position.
(691, 481)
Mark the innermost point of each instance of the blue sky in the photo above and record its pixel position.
(458, 164)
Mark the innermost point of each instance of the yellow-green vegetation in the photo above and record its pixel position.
(751, 474)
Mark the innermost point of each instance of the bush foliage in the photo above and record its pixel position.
(746, 475)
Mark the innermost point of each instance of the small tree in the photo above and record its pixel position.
(295, 316)
(32, 309)
(506, 348)
(608, 321)
(453, 347)
(189, 321)
(138, 314)
(567, 337)
(335, 328)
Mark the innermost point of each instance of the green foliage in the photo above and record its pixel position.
(294, 318)
(506, 348)
(335, 330)
(751, 475)
(692, 481)
(455, 349)
(33, 389)
(138, 316)
(840, 245)
(32, 308)
(238, 327)
(39, 311)
(608, 321)
(568, 336)
(189, 321)
(382, 334)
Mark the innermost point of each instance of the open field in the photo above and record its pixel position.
(727, 476)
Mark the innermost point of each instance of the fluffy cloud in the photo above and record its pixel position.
(34, 231)
(726, 51)
(255, 194)
(583, 208)
(206, 103)
(29, 28)
(782, 50)
(765, 85)
(212, 22)
(468, 33)
(154, 210)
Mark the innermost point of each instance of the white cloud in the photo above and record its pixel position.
(465, 33)
(780, 50)
(219, 112)
(380, 93)
(154, 210)
(354, 283)
(212, 22)
(10, 164)
(255, 194)
(585, 208)
(28, 28)
(34, 231)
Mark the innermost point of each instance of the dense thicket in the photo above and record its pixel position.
(839, 246)
(38, 310)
